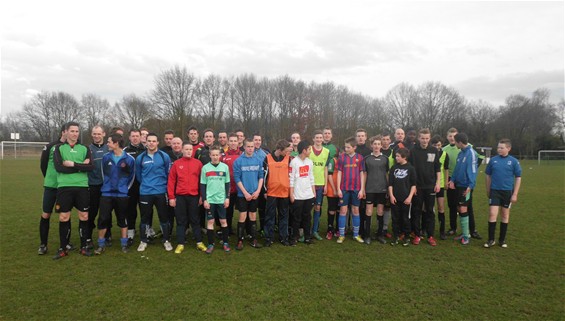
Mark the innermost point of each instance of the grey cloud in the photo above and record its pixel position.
(497, 89)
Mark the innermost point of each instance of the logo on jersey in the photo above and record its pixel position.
(400, 173)
(509, 162)
(303, 170)
(431, 157)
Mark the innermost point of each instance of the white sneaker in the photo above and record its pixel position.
(168, 246)
(131, 234)
(142, 246)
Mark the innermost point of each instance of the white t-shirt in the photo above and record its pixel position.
(302, 178)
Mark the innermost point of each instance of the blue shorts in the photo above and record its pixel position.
(350, 198)
(319, 195)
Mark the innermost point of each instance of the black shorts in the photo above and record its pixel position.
(119, 205)
(500, 198)
(49, 199)
(441, 193)
(216, 211)
(463, 200)
(333, 204)
(376, 198)
(246, 206)
(69, 197)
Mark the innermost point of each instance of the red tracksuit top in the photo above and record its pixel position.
(184, 178)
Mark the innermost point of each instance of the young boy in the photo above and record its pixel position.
(183, 191)
(440, 196)
(504, 176)
(229, 158)
(214, 188)
(463, 180)
(350, 187)
(401, 189)
(320, 158)
(302, 192)
(333, 199)
(277, 182)
(248, 175)
(118, 172)
(376, 168)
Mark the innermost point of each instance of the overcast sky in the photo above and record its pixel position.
(485, 50)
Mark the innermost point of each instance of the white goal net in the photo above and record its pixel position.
(11, 149)
(551, 156)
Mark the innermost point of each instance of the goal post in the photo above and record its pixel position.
(12, 149)
(554, 154)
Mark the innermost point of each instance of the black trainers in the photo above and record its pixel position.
(42, 249)
(293, 242)
(308, 241)
(476, 235)
(268, 243)
(406, 241)
(60, 253)
(285, 243)
(381, 239)
(125, 249)
(394, 241)
(442, 236)
(85, 251)
(502, 244)
(255, 244)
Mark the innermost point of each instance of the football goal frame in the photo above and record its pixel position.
(549, 151)
(13, 147)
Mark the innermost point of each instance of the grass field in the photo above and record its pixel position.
(325, 281)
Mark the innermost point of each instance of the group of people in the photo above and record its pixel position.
(199, 184)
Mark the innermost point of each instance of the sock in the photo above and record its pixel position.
(131, 233)
(44, 230)
(380, 220)
(83, 228)
(356, 220)
(124, 241)
(316, 222)
(253, 230)
(503, 228)
(101, 242)
(441, 217)
(386, 219)
(331, 218)
(341, 225)
(64, 231)
(240, 230)
(225, 234)
(465, 225)
(210, 234)
(367, 229)
(491, 230)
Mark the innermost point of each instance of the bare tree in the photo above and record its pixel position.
(401, 104)
(437, 105)
(134, 111)
(95, 109)
(212, 98)
(173, 96)
(245, 97)
(38, 114)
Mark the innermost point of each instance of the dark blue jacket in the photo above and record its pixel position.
(118, 177)
(97, 151)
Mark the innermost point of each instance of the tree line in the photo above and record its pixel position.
(279, 106)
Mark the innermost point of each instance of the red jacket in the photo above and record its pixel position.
(228, 158)
(184, 178)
